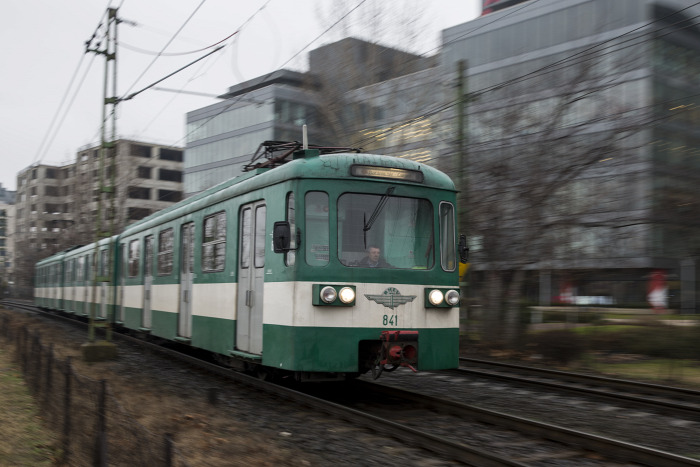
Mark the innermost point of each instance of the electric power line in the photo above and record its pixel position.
(165, 46)
(537, 73)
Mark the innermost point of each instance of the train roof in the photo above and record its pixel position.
(307, 164)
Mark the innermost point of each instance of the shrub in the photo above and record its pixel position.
(561, 345)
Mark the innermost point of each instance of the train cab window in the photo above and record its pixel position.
(400, 228)
(134, 254)
(317, 237)
(214, 243)
(165, 252)
(448, 249)
(290, 256)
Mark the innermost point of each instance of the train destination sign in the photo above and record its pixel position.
(387, 172)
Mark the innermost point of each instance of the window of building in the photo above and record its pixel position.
(144, 172)
(170, 155)
(139, 150)
(137, 192)
(170, 196)
(165, 252)
(136, 214)
(170, 175)
(214, 243)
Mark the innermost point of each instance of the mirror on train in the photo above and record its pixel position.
(463, 249)
(281, 237)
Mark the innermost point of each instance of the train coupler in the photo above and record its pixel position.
(399, 348)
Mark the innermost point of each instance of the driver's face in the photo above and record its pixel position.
(374, 254)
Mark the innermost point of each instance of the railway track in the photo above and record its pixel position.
(658, 398)
(441, 426)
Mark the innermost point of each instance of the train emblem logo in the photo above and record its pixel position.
(390, 298)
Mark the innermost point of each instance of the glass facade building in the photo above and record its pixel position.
(617, 81)
(222, 138)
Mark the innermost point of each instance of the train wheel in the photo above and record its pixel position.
(264, 373)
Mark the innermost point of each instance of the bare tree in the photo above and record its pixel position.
(347, 71)
(551, 180)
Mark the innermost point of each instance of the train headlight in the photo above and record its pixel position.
(340, 295)
(435, 297)
(347, 295)
(328, 294)
(452, 297)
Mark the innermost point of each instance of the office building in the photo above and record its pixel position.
(583, 115)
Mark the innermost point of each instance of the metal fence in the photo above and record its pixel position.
(95, 429)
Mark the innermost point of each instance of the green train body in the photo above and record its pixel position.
(266, 270)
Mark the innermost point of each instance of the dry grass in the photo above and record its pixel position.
(23, 439)
(205, 434)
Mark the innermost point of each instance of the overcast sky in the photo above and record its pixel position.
(44, 52)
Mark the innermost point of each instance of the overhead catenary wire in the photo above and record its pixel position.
(48, 139)
(235, 101)
(536, 73)
(175, 54)
(165, 47)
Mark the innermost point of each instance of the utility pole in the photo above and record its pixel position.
(102, 276)
(462, 179)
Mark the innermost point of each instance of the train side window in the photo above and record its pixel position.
(103, 267)
(448, 252)
(316, 228)
(260, 238)
(165, 252)
(134, 254)
(214, 243)
(80, 270)
(291, 256)
(245, 238)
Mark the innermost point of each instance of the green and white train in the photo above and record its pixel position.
(268, 270)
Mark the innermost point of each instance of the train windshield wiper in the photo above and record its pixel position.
(377, 210)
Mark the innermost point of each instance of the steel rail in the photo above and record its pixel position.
(451, 450)
(412, 437)
(689, 408)
(608, 447)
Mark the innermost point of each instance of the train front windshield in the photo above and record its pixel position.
(381, 231)
(385, 231)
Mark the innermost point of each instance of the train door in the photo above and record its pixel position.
(61, 272)
(88, 286)
(122, 261)
(251, 278)
(146, 321)
(186, 276)
(71, 290)
(103, 272)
